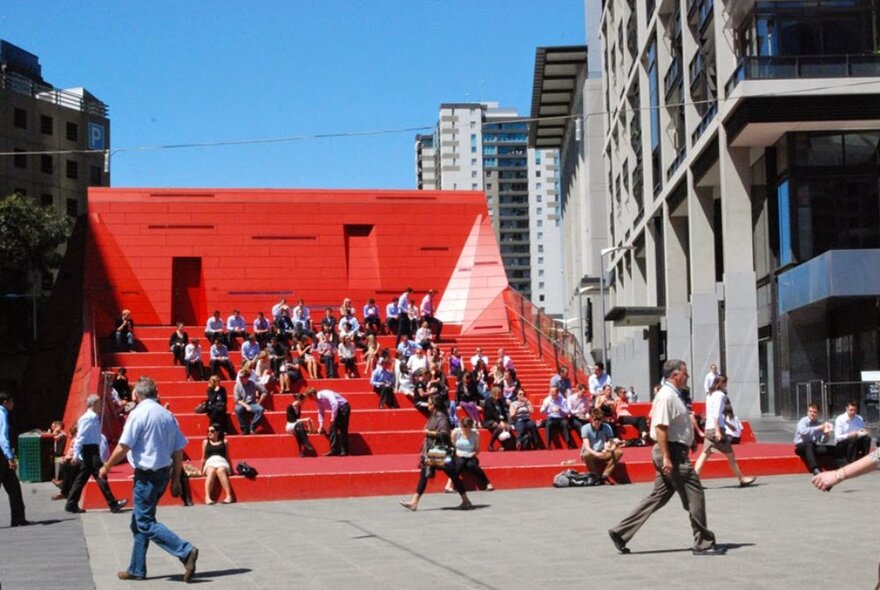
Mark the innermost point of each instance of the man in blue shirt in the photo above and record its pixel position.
(7, 464)
(403, 324)
(250, 349)
(601, 449)
(152, 440)
(392, 313)
(382, 381)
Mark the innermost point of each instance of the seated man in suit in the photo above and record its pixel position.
(852, 438)
(809, 434)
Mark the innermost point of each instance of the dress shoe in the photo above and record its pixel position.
(466, 506)
(125, 575)
(713, 550)
(76, 510)
(618, 541)
(332, 454)
(190, 565)
(21, 523)
(116, 506)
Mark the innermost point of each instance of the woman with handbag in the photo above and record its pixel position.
(436, 454)
(215, 464)
(716, 439)
(215, 405)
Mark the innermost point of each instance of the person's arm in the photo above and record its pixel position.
(204, 449)
(828, 479)
(176, 464)
(662, 431)
(116, 457)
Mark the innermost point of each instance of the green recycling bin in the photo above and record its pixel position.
(35, 461)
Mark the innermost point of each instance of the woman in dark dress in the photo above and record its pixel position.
(216, 409)
(299, 427)
(437, 431)
(496, 420)
(177, 343)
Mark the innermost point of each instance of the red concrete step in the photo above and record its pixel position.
(292, 478)
(366, 400)
(274, 422)
(174, 388)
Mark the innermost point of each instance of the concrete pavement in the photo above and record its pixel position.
(781, 534)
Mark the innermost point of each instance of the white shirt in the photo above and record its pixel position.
(88, 431)
(193, 353)
(715, 409)
(152, 434)
(709, 380)
(598, 383)
(668, 410)
(479, 357)
(844, 426)
(417, 362)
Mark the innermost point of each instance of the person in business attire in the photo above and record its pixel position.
(330, 401)
(809, 433)
(8, 477)
(850, 435)
(153, 443)
(87, 448)
(672, 429)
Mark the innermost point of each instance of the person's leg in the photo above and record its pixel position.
(257, 410)
(807, 453)
(704, 455)
(13, 489)
(689, 488)
(549, 429)
(612, 459)
(210, 476)
(657, 499)
(227, 487)
(93, 462)
(342, 418)
(473, 465)
(243, 422)
(79, 482)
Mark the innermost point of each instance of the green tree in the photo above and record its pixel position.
(29, 239)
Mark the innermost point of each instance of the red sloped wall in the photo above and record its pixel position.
(258, 245)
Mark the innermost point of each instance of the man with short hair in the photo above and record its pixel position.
(505, 361)
(555, 407)
(426, 311)
(246, 402)
(672, 429)
(192, 357)
(87, 450)
(479, 356)
(220, 358)
(561, 381)
(330, 401)
(599, 379)
(250, 349)
(403, 323)
(417, 361)
(8, 477)
(710, 378)
(372, 321)
(392, 314)
(235, 328)
(215, 327)
(601, 452)
(262, 329)
(124, 332)
(152, 440)
(382, 381)
(850, 435)
(406, 347)
(809, 433)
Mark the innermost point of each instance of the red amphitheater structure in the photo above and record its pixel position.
(178, 254)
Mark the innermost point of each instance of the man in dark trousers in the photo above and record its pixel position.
(7, 464)
(330, 401)
(152, 440)
(672, 429)
(87, 450)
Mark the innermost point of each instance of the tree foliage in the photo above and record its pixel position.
(29, 238)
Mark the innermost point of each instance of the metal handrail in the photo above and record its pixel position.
(23, 85)
(776, 67)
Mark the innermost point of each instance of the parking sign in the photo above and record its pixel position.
(96, 136)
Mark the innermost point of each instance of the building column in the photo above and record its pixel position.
(678, 321)
(740, 293)
(705, 327)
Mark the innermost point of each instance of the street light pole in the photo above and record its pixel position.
(602, 253)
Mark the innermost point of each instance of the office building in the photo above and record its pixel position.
(742, 170)
(480, 146)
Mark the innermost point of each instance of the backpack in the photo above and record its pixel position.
(246, 470)
(573, 479)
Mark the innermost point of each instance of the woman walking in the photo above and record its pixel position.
(716, 439)
(437, 434)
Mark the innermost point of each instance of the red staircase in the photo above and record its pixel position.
(384, 443)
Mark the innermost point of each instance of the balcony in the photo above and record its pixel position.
(704, 122)
(673, 75)
(696, 70)
(68, 99)
(632, 36)
(679, 158)
(706, 13)
(804, 66)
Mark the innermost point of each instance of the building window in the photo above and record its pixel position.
(540, 223)
(46, 163)
(540, 235)
(20, 118)
(46, 125)
(19, 160)
(537, 186)
(72, 169)
(540, 272)
(541, 285)
(473, 161)
(540, 210)
(488, 186)
(538, 173)
(540, 260)
(473, 186)
(46, 200)
(541, 298)
(540, 198)
(72, 207)
(95, 176)
(540, 248)
(72, 132)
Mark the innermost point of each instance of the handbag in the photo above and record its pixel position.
(438, 456)
(246, 470)
(201, 408)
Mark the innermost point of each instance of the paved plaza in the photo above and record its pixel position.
(780, 534)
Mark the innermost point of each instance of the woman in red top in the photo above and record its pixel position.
(624, 417)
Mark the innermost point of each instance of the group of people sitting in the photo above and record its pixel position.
(842, 441)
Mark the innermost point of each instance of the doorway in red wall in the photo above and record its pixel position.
(187, 291)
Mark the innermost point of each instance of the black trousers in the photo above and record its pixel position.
(561, 424)
(471, 464)
(427, 472)
(10, 483)
(89, 467)
(339, 431)
(227, 364)
(195, 370)
(808, 453)
(403, 327)
(386, 397)
(435, 325)
(854, 448)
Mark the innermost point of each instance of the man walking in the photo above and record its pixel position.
(671, 428)
(87, 450)
(340, 411)
(154, 445)
(7, 464)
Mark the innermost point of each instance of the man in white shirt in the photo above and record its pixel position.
(152, 440)
(850, 435)
(555, 407)
(215, 327)
(426, 312)
(672, 429)
(86, 448)
(479, 356)
(505, 360)
(599, 379)
(236, 327)
(710, 377)
(192, 356)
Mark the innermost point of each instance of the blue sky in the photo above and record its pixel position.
(183, 72)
